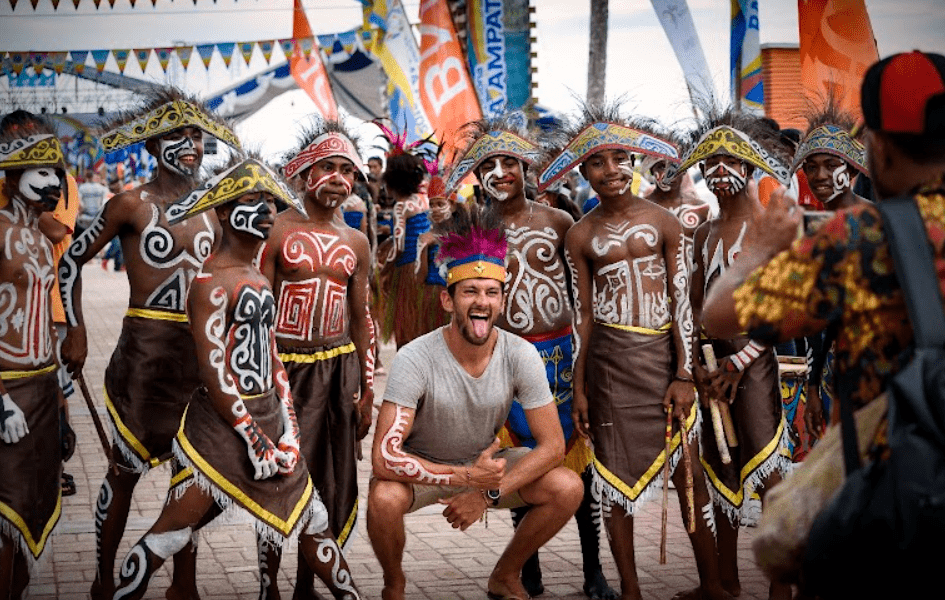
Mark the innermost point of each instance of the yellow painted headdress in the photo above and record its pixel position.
(503, 136)
(164, 111)
(31, 152)
(737, 134)
(248, 176)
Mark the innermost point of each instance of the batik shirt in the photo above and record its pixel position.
(844, 273)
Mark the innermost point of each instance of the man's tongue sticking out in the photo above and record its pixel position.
(480, 326)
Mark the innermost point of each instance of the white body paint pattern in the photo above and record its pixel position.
(157, 251)
(720, 259)
(534, 294)
(30, 315)
(413, 205)
(298, 299)
(315, 186)
(617, 236)
(246, 218)
(69, 271)
(33, 180)
(171, 151)
(626, 167)
(402, 464)
(329, 553)
(577, 303)
(251, 332)
(722, 173)
(496, 173)
(135, 568)
(102, 504)
(164, 545)
(215, 330)
(262, 550)
(688, 215)
(683, 308)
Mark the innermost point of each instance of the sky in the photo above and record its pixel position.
(641, 66)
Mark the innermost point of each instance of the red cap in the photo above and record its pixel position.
(905, 93)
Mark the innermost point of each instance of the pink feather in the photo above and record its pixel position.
(488, 242)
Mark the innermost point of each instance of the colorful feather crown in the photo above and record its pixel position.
(473, 245)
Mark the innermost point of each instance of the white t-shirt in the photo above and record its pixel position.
(458, 415)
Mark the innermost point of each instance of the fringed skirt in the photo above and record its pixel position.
(148, 383)
(30, 490)
(215, 457)
(324, 382)
(763, 440)
(628, 373)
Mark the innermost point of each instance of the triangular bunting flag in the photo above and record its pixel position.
(38, 62)
(57, 60)
(55, 4)
(288, 47)
(153, 3)
(183, 53)
(75, 3)
(96, 2)
(132, 6)
(164, 57)
(226, 52)
(17, 61)
(111, 3)
(306, 44)
(34, 3)
(121, 57)
(100, 57)
(78, 60)
(246, 49)
(266, 47)
(13, 4)
(143, 55)
(206, 53)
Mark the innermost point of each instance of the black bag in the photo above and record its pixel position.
(883, 535)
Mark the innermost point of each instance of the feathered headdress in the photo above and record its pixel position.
(323, 139)
(398, 142)
(245, 174)
(829, 132)
(499, 136)
(163, 110)
(472, 245)
(725, 130)
(602, 127)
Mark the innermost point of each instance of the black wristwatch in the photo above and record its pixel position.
(492, 497)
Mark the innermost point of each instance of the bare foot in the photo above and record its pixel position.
(700, 593)
(302, 594)
(506, 588)
(391, 594)
(734, 588)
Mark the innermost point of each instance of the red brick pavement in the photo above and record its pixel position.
(441, 564)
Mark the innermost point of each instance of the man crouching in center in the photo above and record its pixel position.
(447, 395)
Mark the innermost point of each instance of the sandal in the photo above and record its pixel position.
(68, 484)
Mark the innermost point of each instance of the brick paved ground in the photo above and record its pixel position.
(441, 564)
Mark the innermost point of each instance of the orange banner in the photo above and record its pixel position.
(446, 90)
(308, 71)
(836, 48)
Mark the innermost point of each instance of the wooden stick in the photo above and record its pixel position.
(717, 425)
(687, 465)
(664, 516)
(106, 446)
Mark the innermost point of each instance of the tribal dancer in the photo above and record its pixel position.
(728, 148)
(442, 207)
(830, 157)
(319, 269)
(239, 439)
(669, 193)
(151, 373)
(630, 263)
(409, 301)
(31, 454)
(538, 308)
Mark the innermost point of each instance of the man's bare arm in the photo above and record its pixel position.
(548, 453)
(362, 330)
(581, 286)
(391, 462)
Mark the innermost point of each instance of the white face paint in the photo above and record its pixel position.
(41, 185)
(721, 174)
(254, 219)
(626, 167)
(172, 151)
(841, 181)
(489, 178)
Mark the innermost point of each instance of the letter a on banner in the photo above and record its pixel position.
(308, 71)
(446, 90)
